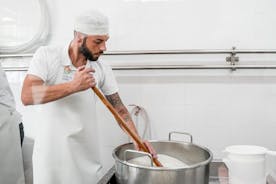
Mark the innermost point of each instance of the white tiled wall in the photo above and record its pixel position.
(220, 111)
(218, 107)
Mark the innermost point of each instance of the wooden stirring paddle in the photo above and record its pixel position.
(124, 125)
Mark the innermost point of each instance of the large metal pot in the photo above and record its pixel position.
(197, 158)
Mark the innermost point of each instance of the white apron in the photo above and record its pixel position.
(66, 144)
(11, 163)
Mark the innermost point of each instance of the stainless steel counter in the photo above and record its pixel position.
(218, 175)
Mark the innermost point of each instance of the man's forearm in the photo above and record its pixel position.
(116, 102)
(123, 112)
(40, 94)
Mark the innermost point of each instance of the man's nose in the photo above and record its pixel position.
(103, 47)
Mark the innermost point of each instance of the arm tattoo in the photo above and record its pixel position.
(114, 99)
(116, 102)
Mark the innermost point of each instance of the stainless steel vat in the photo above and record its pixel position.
(196, 157)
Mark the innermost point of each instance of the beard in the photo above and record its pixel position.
(86, 52)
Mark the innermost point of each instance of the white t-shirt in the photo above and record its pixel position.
(48, 59)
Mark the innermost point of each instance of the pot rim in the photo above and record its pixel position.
(203, 163)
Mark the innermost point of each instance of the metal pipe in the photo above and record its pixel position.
(194, 51)
(162, 67)
(165, 67)
(15, 69)
(232, 66)
(16, 55)
(161, 52)
(164, 52)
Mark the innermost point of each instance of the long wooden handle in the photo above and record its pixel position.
(123, 124)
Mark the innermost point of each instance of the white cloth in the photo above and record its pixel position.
(91, 22)
(11, 163)
(66, 144)
(6, 96)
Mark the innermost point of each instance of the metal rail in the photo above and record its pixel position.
(162, 52)
(170, 67)
(198, 67)
(194, 51)
(15, 69)
(232, 60)
(16, 55)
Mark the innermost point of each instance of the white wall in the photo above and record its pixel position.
(219, 107)
(175, 24)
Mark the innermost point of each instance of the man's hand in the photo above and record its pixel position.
(148, 146)
(83, 79)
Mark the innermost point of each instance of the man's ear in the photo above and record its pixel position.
(79, 39)
(78, 36)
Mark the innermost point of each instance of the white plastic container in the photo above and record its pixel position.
(247, 164)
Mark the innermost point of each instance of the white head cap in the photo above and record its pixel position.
(91, 23)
